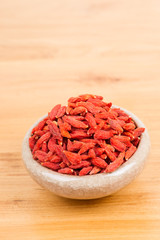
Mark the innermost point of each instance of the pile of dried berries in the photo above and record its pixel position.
(85, 137)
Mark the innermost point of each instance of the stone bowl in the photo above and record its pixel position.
(91, 186)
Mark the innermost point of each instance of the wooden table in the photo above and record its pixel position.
(49, 51)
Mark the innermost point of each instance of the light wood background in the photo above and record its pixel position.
(49, 51)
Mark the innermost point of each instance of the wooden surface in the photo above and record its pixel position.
(49, 51)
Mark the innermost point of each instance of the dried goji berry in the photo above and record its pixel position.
(129, 126)
(99, 162)
(136, 141)
(81, 165)
(54, 130)
(78, 134)
(86, 147)
(66, 170)
(116, 164)
(95, 170)
(61, 112)
(55, 159)
(44, 147)
(115, 125)
(63, 130)
(74, 146)
(73, 158)
(102, 134)
(99, 151)
(32, 142)
(97, 102)
(130, 152)
(53, 113)
(91, 153)
(52, 166)
(40, 126)
(117, 144)
(75, 123)
(78, 110)
(43, 138)
(89, 106)
(138, 132)
(42, 156)
(91, 120)
(85, 171)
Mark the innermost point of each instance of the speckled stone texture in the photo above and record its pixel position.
(88, 187)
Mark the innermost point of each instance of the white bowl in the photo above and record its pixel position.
(90, 186)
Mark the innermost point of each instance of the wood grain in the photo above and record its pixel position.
(49, 51)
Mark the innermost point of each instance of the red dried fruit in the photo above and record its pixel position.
(62, 165)
(40, 126)
(63, 130)
(52, 115)
(91, 153)
(55, 159)
(89, 106)
(86, 147)
(121, 122)
(138, 132)
(108, 150)
(115, 125)
(116, 164)
(32, 142)
(54, 130)
(74, 99)
(88, 140)
(73, 158)
(123, 118)
(75, 123)
(136, 141)
(81, 165)
(42, 156)
(52, 166)
(85, 171)
(129, 126)
(102, 134)
(130, 152)
(78, 134)
(74, 146)
(99, 162)
(61, 112)
(129, 134)
(85, 156)
(95, 170)
(51, 144)
(39, 133)
(118, 145)
(66, 171)
(85, 97)
(80, 118)
(78, 110)
(124, 139)
(91, 120)
(105, 127)
(44, 147)
(43, 138)
(99, 151)
(103, 156)
(97, 102)
(105, 115)
(120, 112)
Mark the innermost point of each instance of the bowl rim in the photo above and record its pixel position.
(144, 141)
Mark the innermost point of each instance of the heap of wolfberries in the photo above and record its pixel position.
(86, 137)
